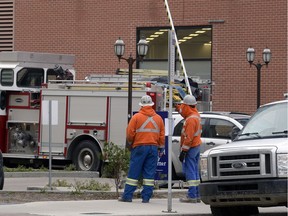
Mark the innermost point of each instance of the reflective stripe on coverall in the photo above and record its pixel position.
(143, 129)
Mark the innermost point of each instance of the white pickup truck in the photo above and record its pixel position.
(250, 172)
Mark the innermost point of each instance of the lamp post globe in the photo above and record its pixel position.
(250, 54)
(142, 47)
(119, 48)
(266, 55)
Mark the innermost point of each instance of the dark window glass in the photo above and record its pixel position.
(219, 128)
(195, 45)
(204, 127)
(30, 77)
(178, 127)
(51, 75)
(243, 121)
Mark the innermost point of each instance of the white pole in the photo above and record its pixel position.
(178, 47)
(50, 135)
(171, 48)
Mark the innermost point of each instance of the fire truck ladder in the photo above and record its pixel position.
(122, 75)
(101, 84)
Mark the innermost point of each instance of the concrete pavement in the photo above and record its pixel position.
(38, 180)
(105, 207)
(100, 207)
(156, 207)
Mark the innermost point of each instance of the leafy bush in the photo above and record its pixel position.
(80, 186)
(91, 185)
(117, 165)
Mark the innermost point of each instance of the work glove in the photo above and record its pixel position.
(182, 156)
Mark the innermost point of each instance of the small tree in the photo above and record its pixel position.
(117, 163)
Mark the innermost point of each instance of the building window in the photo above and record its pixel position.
(6, 25)
(195, 45)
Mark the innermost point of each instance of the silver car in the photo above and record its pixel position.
(217, 128)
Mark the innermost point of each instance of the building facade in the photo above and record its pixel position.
(89, 28)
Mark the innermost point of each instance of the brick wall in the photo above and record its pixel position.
(89, 29)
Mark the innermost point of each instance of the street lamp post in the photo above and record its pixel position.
(250, 54)
(142, 49)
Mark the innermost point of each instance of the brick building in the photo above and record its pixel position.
(89, 28)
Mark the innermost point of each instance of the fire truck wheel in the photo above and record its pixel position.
(86, 156)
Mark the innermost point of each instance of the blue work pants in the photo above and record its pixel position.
(191, 170)
(143, 161)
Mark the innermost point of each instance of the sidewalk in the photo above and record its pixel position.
(38, 180)
(105, 207)
(156, 207)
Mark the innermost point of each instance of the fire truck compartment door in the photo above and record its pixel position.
(85, 110)
(23, 115)
(58, 130)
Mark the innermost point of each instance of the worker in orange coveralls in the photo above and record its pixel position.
(146, 135)
(190, 147)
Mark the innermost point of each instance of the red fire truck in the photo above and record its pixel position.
(85, 115)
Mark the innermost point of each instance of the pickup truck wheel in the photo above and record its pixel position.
(221, 211)
(86, 156)
(251, 210)
(235, 211)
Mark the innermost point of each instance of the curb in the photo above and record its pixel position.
(74, 174)
(158, 194)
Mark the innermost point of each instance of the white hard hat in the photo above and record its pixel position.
(189, 100)
(146, 100)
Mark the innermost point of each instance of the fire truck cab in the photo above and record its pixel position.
(21, 76)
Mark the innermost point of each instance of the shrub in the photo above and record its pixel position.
(117, 163)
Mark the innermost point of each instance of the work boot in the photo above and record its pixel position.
(121, 199)
(188, 200)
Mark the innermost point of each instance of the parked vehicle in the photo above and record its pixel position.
(216, 130)
(85, 115)
(252, 171)
(1, 172)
